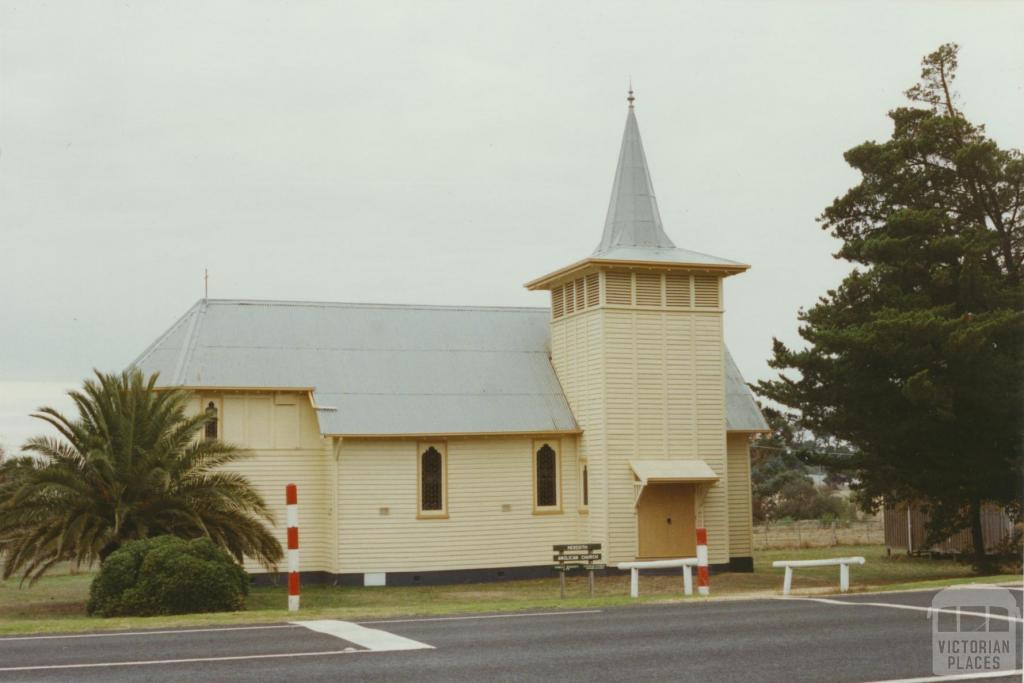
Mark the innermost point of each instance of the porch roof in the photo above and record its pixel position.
(653, 471)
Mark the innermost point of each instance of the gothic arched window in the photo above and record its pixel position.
(432, 484)
(211, 421)
(546, 476)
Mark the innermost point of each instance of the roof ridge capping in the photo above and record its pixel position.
(356, 304)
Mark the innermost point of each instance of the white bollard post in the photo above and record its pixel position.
(634, 583)
(687, 580)
(844, 577)
(787, 583)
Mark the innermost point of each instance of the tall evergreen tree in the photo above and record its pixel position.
(915, 360)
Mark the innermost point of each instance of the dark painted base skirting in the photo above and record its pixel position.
(741, 564)
(453, 576)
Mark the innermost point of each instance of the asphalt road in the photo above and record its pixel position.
(858, 638)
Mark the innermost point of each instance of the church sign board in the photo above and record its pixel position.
(577, 556)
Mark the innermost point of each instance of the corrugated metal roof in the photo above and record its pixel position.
(382, 369)
(742, 413)
(386, 369)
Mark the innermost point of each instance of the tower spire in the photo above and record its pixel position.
(633, 218)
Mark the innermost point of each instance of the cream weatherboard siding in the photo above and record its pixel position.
(491, 520)
(372, 484)
(644, 384)
(270, 471)
(740, 512)
(665, 399)
(577, 355)
(279, 434)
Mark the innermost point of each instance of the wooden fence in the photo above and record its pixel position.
(811, 534)
(905, 531)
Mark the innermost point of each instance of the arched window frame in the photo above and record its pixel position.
(421, 450)
(556, 446)
(217, 424)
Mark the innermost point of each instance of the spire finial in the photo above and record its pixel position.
(630, 98)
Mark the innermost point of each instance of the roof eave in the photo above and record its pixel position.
(747, 430)
(445, 435)
(726, 269)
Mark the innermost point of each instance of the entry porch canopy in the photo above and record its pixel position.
(689, 471)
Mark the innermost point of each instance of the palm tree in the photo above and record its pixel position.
(131, 466)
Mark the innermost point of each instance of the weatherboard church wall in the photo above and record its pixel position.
(358, 504)
(278, 432)
(491, 520)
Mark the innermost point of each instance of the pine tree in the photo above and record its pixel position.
(915, 360)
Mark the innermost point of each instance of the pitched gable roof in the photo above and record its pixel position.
(742, 413)
(379, 369)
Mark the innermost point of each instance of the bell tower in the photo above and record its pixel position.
(636, 341)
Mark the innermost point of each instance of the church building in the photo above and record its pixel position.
(435, 444)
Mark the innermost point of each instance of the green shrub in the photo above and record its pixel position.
(168, 575)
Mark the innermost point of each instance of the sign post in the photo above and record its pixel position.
(572, 556)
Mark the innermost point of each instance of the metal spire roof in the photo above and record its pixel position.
(633, 232)
(633, 219)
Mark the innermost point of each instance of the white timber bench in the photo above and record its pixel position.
(844, 570)
(687, 563)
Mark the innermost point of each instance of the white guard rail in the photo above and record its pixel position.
(844, 570)
(687, 563)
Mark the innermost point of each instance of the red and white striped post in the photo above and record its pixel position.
(703, 585)
(292, 498)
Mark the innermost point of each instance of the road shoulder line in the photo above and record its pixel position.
(914, 608)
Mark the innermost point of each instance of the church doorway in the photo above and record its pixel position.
(666, 521)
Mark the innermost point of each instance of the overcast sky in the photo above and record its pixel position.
(429, 152)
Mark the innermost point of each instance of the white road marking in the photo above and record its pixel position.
(113, 634)
(191, 660)
(914, 608)
(370, 638)
(953, 677)
(484, 616)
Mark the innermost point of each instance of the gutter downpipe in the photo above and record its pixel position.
(335, 533)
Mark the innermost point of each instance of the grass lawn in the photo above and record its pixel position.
(57, 603)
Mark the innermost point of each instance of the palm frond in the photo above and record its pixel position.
(129, 466)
